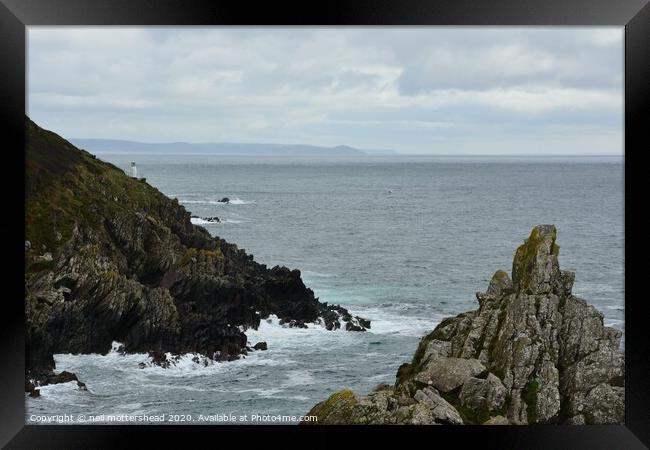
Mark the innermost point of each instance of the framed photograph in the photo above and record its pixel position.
(413, 218)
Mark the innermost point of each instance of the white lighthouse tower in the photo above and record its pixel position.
(134, 170)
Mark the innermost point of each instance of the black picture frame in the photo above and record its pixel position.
(634, 15)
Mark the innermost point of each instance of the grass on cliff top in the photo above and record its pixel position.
(67, 186)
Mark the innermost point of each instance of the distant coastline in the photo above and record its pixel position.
(221, 148)
(118, 146)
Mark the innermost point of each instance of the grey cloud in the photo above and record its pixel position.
(392, 87)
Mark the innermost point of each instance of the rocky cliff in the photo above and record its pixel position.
(108, 257)
(531, 353)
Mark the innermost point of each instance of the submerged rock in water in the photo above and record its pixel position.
(44, 377)
(214, 219)
(260, 346)
(532, 353)
(126, 264)
(63, 377)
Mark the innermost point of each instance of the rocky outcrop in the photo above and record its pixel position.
(213, 219)
(111, 258)
(531, 353)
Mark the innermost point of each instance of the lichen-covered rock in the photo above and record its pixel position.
(111, 258)
(338, 408)
(531, 353)
(497, 420)
(535, 268)
(447, 374)
(499, 284)
(386, 408)
(441, 410)
(483, 394)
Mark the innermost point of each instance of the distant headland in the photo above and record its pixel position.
(222, 148)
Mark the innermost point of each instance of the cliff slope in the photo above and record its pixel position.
(531, 353)
(108, 257)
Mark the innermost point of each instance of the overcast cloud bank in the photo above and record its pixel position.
(439, 90)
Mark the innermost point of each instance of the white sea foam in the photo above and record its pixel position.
(284, 344)
(615, 307)
(115, 346)
(311, 273)
(238, 201)
(262, 392)
(200, 221)
(381, 322)
(286, 348)
(270, 328)
(131, 406)
(298, 378)
(59, 388)
(614, 323)
(181, 366)
(281, 338)
(390, 322)
(211, 201)
(231, 201)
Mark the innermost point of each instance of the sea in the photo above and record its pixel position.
(404, 241)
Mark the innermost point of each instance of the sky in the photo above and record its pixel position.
(414, 90)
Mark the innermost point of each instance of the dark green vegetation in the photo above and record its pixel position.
(529, 396)
(475, 415)
(67, 188)
(108, 257)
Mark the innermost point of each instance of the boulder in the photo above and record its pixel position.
(483, 394)
(63, 377)
(260, 346)
(447, 374)
(442, 411)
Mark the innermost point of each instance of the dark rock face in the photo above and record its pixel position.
(532, 353)
(111, 258)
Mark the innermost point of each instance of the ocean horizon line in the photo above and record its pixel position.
(409, 155)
